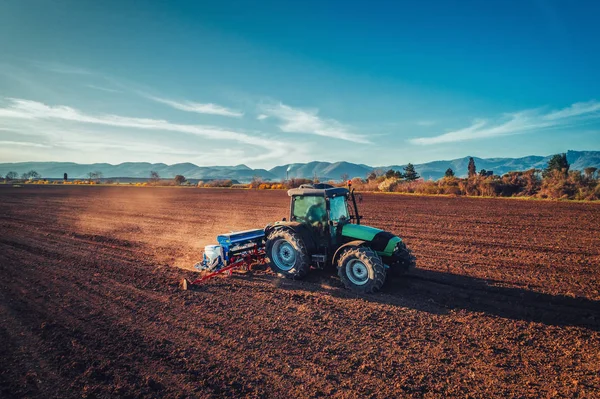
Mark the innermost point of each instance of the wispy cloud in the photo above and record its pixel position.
(103, 89)
(23, 144)
(517, 123)
(33, 110)
(295, 120)
(59, 67)
(262, 117)
(207, 108)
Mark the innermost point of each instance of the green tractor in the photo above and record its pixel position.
(324, 229)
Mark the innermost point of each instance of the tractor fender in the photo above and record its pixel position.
(338, 252)
(300, 229)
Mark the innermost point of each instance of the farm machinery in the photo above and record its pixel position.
(324, 230)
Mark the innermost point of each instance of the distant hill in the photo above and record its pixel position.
(436, 169)
(323, 170)
(136, 169)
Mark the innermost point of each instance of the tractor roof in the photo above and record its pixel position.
(319, 189)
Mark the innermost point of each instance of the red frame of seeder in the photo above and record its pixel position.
(255, 256)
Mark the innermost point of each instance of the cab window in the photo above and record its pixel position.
(310, 209)
(338, 209)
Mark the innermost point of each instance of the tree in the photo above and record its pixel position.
(393, 174)
(94, 176)
(154, 177)
(11, 175)
(589, 172)
(256, 181)
(449, 172)
(179, 179)
(65, 177)
(372, 176)
(32, 174)
(483, 172)
(557, 162)
(472, 168)
(345, 177)
(410, 173)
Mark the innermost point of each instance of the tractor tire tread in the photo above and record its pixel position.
(406, 264)
(302, 266)
(367, 256)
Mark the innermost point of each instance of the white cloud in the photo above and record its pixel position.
(295, 120)
(262, 117)
(104, 89)
(208, 108)
(518, 123)
(23, 144)
(27, 110)
(577, 109)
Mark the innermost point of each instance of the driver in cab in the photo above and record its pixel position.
(317, 214)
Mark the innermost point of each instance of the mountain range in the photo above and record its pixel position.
(323, 170)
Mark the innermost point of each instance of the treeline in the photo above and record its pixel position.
(556, 181)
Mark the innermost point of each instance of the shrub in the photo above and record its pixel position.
(218, 183)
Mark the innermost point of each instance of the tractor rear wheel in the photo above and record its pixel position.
(287, 254)
(361, 269)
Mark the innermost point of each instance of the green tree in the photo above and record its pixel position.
(472, 169)
(179, 179)
(65, 177)
(410, 173)
(557, 162)
(449, 173)
(393, 174)
(11, 175)
(483, 172)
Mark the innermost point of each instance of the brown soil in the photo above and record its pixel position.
(505, 301)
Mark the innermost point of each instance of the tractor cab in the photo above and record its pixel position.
(323, 208)
(322, 204)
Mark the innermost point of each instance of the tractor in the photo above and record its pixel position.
(324, 229)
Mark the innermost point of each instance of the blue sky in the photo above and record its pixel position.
(267, 83)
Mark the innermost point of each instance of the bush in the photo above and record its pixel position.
(218, 183)
(389, 184)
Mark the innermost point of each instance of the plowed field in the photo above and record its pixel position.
(505, 301)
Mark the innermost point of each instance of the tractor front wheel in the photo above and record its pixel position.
(361, 269)
(287, 254)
